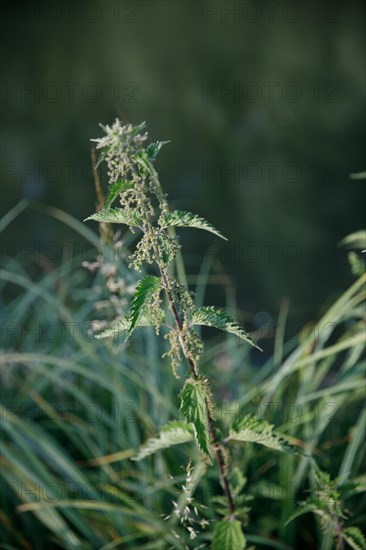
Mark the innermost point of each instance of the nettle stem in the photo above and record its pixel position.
(211, 424)
(193, 365)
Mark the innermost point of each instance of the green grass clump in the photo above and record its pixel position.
(77, 410)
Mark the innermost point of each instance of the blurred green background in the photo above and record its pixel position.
(264, 107)
(263, 102)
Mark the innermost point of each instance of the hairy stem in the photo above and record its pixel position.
(195, 374)
(194, 368)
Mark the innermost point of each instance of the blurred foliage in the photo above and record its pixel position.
(154, 61)
(78, 408)
(74, 411)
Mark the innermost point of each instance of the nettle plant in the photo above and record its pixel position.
(161, 301)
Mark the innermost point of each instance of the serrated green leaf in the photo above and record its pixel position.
(221, 505)
(228, 535)
(354, 537)
(117, 215)
(193, 408)
(117, 326)
(123, 324)
(211, 316)
(256, 430)
(182, 218)
(115, 189)
(311, 505)
(142, 297)
(171, 434)
(154, 148)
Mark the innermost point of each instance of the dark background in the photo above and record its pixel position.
(263, 103)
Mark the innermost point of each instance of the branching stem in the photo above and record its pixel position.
(195, 374)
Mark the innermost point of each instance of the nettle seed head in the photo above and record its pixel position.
(192, 344)
(121, 144)
(174, 353)
(185, 299)
(154, 311)
(144, 252)
(130, 161)
(167, 247)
